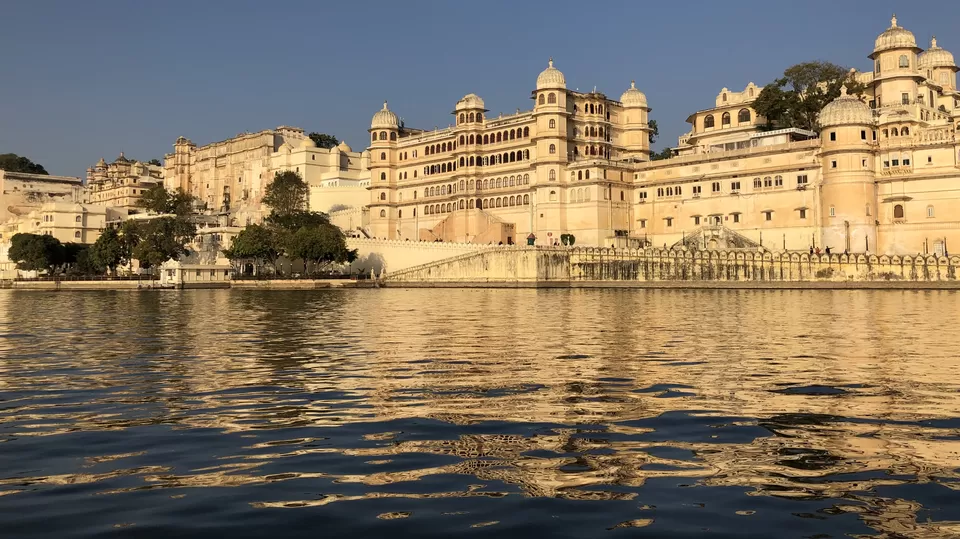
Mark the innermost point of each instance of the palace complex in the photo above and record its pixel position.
(121, 183)
(881, 176)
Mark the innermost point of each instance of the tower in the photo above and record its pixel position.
(938, 66)
(550, 111)
(384, 131)
(895, 67)
(635, 125)
(848, 191)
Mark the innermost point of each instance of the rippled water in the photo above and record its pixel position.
(501, 413)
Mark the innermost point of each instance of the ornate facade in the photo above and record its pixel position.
(881, 176)
(122, 182)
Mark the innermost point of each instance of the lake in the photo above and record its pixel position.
(480, 412)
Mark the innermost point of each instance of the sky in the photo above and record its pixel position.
(84, 80)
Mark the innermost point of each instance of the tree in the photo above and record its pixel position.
(158, 200)
(162, 239)
(796, 99)
(155, 162)
(109, 250)
(286, 194)
(321, 245)
(654, 131)
(662, 154)
(296, 220)
(324, 140)
(257, 243)
(12, 162)
(35, 252)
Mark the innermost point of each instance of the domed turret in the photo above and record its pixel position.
(308, 143)
(845, 110)
(470, 102)
(935, 57)
(633, 97)
(121, 159)
(895, 37)
(384, 119)
(551, 77)
(343, 147)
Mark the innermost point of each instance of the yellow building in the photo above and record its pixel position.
(122, 182)
(880, 176)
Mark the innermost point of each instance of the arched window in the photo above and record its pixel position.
(541, 100)
(479, 116)
(462, 184)
(552, 176)
(393, 136)
(513, 156)
(383, 135)
(383, 175)
(905, 132)
(461, 205)
(725, 119)
(512, 180)
(553, 148)
(894, 132)
(471, 160)
(586, 175)
(526, 132)
(898, 211)
(526, 199)
(470, 139)
(383, 156)
(553, 196)
(499, 202)
(443, 147)
(552, 98)
(471, 117)
(526, 179)
(552, 124)
(373, 137)
(499, 183)
(486, 139)
(708, 121)
(485, 184)
(513, 201)
(470, 205)
(383, 213)
(904, 61)
(499, 138)
(526, 154)
(580, 175)
(513, 134)
(462, 117)
(383, 196)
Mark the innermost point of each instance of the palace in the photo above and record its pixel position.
(121, 183)
(881, 176)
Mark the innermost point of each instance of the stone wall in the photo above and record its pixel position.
(544, 265)
(396, 255)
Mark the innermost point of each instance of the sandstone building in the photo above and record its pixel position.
(122, 182)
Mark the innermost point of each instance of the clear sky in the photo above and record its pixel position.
(85, 79)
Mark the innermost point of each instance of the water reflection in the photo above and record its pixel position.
(780, 413)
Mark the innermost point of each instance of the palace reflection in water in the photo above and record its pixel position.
(565, 412)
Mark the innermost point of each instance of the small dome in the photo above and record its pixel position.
(845, 110)
(470, 101)
(101, 163)
(633, 97)
(308, 143)
(895, 37)
(551, 77)
(384, 119)
(121, 159)
(343, 147)
(935, 57)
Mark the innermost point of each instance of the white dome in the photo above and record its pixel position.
(344, 147)
(308, 143)
(633, 97)
(845, 110)
(551, 77)
(935, 57)
(895, 37)
(384, 119)
(470, 101)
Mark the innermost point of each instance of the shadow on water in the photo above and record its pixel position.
(502, 413)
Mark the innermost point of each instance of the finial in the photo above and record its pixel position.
(384, 104)
(550, 62)
(893, 21)
(843, 90)
(633, 85)
(933, 42)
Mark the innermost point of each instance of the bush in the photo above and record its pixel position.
(825, 273)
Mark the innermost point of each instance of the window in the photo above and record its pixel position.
(906, 160)
(696, 190)
(863, 134)
(744, 115)
(696, 219)
(552, 124)
(552, 176)
(553, 149)
(905, 99)
(669, 222)
(78, 219)
(383, 196)
(802, 179)
(833, 164)
(552, 98)
(757, 183)
(383, 156)
(643, 223)
(898, 211)
(77, 233)
(383, 213)
(736, 217)
(383, 176)
(708, 122)
(803, 213)
(734, 186)
(778, 181)
(553, 196)
(643, 196)
(383, 135)
(904, 61)
(895, 162)
(833, 211)
(715, 188)
(768, 216)
(725, 119)
(929, 211)
(542, 99)
(833, 135)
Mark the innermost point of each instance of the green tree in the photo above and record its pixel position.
(109, 251)
(162, 239)
(257, 243)
(286, 194)
(155, 162)
(662, 154)
(35, 252)
(796, 99)
(654, 131)
(12, 162)
(321, 246)
(296, 220)
(157, 199)
(324, 140)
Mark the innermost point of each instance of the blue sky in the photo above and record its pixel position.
(88, 79)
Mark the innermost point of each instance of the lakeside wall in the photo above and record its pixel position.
(396, 255)
(558, 266)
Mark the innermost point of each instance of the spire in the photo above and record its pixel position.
(893, 21)
(843, 91)
(633, 85)
(550, 62)
(933, 42)
(384, 104)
